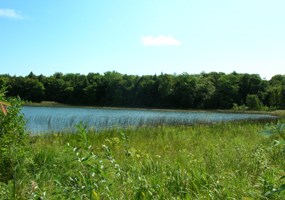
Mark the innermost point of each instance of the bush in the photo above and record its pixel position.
(13, 137)
(236, 107)
(253, 102)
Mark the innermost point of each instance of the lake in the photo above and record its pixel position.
(46, 119)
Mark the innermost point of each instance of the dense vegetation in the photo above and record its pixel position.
(219, 161)
(202, 91)
(222, 161)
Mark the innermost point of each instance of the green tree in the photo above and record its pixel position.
(274, 96)
(128, 86)
(251, 84)
(253, 102)
(226, 93)
(56, 90)
(184, 91)
(205, 91)
(90, 94)
(34, 90)
(146, 91)
(113, 88)
(276, 91)
(165, 90)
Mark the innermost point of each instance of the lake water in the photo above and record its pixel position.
(46, 119)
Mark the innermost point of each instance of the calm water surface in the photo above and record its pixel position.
(46, 119)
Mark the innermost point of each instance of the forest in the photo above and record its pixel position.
(213, 90)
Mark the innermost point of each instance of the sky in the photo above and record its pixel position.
(143, 37)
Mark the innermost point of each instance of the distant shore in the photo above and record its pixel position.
(280, 113)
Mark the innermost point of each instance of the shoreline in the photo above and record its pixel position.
(278, 113)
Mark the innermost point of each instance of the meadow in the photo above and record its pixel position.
(232, 160)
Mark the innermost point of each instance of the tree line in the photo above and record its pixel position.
(213, 90)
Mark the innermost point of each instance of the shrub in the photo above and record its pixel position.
(236, 107)
(253, 102)
(13, 137)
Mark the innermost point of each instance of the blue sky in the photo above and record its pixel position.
(142, 37)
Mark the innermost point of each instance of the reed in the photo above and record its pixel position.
(215, 161)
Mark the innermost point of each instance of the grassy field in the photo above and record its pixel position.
(219, 161)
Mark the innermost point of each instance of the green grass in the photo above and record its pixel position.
(219, 161)
(280, 113)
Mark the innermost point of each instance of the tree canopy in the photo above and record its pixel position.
(188, 91)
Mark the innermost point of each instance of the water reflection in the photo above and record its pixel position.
(44, 119)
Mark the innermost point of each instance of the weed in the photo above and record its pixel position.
(218, 161)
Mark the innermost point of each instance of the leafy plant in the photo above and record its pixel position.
(236, 107)
(279, 131)
(253, 102)
(13, 143)
(12, 136)
(81, 130)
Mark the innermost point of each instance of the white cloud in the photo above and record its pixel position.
(10, 13)
(159, 41)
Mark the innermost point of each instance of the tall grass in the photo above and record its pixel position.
(218, 161)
